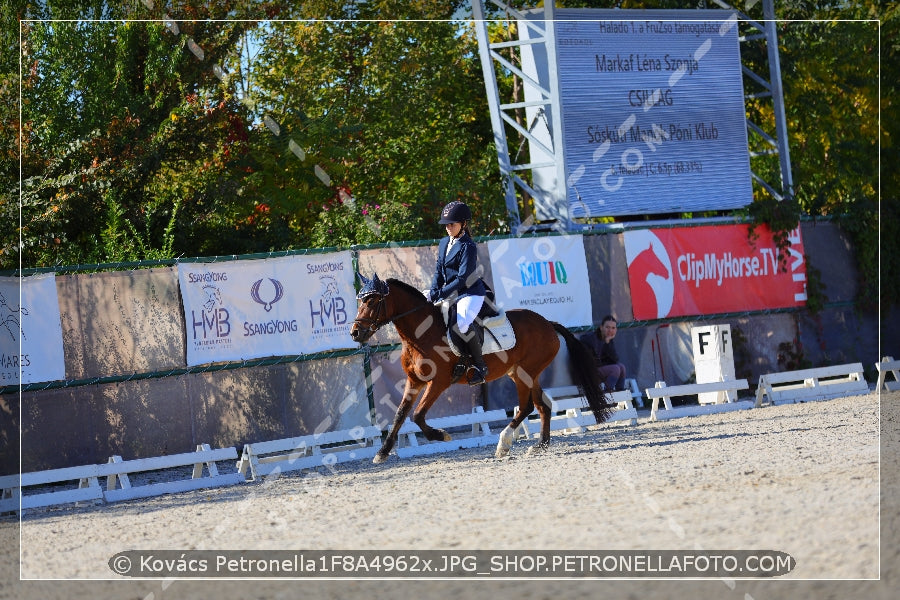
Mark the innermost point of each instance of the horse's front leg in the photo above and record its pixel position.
(409, 396)
(432, 393)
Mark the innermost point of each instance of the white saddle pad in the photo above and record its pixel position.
(498, 333)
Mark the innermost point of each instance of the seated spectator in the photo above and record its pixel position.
(612, 372)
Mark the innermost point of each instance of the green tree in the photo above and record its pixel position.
(148, 140)
(889, 218)
(9, 136)
(114, 113)
(830, 68)
(196, 136)
(392, 113)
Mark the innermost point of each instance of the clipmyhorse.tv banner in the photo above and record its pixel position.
(274, 307)
(711, 270)
(35, 323)
(547, 275)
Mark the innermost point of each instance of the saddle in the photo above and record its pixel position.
(498, 331)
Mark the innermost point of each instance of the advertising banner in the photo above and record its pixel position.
(652, 110)
(711, 270)
(34, 323)
(286, 306)
(547, 275)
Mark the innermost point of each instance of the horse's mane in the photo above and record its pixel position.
(405, 286)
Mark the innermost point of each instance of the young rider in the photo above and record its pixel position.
(457, 279)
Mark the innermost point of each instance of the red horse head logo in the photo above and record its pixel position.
(649, 275)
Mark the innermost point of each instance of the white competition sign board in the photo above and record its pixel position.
(240, 310)
(547, 275)
(652, 110)
(36, 324)
(713, 360)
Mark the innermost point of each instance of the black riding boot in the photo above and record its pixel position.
(478, 370)
(462, 365)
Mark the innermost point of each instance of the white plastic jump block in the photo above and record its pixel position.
(636, 397)
(823, 383)
(888, 365)
(578, 414)
(118, 484)
(83, 485)
(665, 392)
(10, 493)
(309, 451)
(478, 419)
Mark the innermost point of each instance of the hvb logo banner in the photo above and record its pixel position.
(547, 275)
(240, 310)
(710, 270)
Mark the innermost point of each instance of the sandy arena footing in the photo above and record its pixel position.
(798, 478)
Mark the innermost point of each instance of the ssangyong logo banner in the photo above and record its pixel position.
(547, 275)
(274, 307)
(710, 270)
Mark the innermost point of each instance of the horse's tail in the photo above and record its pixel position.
(584, 369)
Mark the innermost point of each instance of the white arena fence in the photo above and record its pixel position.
(571, 415)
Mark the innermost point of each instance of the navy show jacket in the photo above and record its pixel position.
(456, 271)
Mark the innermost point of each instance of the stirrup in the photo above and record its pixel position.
(476, 374)
(460, 368)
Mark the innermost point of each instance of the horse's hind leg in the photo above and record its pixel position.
(508, 435)
(526, 405)
(544, 412)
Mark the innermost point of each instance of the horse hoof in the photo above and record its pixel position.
(507, 436)
(539, 448)
(447, 436)
(379, 458)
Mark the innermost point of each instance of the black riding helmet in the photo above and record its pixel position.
(455, 212)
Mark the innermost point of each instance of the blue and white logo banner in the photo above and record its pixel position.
(31, 344)
(247, 309)
(547, 275)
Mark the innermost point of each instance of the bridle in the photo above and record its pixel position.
(375, 324)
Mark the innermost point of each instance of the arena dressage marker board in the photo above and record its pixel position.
(309, 451)
(666, 392)
(888, 365)
(410, 445)
(823, 383)
(118, 485)
(570, 400)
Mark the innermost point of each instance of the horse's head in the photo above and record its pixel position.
(373, 310)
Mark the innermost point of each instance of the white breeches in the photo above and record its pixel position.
(467, 309)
